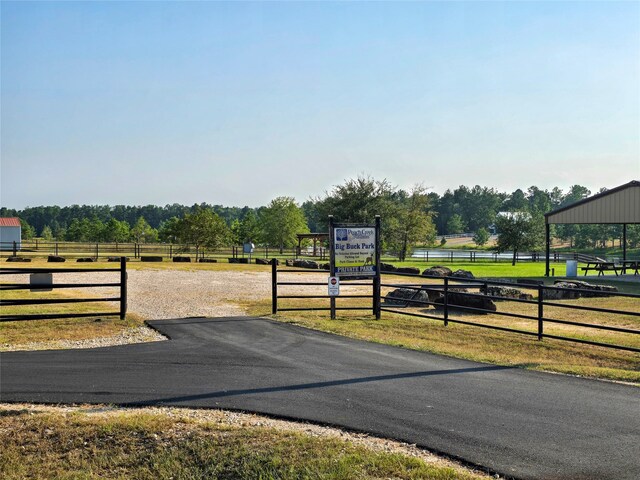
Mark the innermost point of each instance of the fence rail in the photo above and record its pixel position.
(275, 296)
(74, 250)
(15, 302)
(39, 248)
(449, 310)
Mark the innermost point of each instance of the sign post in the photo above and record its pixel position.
(332, 266)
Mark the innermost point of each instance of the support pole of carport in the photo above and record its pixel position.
(624, 244)
(548, 248)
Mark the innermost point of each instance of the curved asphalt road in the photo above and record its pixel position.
(515, 422)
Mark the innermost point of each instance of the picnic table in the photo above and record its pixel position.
(633, 265)
(602, 267)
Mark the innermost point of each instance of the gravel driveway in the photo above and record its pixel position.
(158, 294)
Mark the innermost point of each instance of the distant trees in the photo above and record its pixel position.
(280, 221)
(358, 200)
(409, 218)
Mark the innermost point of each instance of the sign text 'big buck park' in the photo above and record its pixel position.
(355, 251)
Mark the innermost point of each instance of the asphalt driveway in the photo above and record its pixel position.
(515, 422)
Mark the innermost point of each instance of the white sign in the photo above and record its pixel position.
(334, 286)
(355, 251)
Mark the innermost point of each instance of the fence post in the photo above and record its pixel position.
(332, 266)
(171, 250)
(540, 311)
(97, 251)
(15, 249)
(445, 305)
(274, 286)
(123, 287)
(376, 279)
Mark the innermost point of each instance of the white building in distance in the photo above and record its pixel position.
(10, 231)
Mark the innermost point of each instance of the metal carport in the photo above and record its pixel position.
(620, 205)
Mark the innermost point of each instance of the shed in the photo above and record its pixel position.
(620, 205)
(10, 231)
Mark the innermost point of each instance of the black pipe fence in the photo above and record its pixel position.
(42, 287)
(448, 310)
(97, 250)
(276, 283)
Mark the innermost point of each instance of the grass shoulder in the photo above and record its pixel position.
(44, 442)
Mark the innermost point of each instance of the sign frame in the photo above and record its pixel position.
(373, 273)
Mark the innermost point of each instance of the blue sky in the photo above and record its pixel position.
(237, 103)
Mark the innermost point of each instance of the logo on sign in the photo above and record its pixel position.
(341, 235)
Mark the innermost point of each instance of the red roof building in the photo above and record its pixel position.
(10, 233)
(10, 222)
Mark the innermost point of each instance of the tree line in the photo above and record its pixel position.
(411, 217)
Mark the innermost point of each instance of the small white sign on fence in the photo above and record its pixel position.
(334, 286)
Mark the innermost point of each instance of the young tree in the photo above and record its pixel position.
(249, 228)
(96, 230)
(47, 233)
(455, 224)
(413, 223)
(78, 230)
(204, 229)
(171, 230)
(117, 231)
(519, 231)
(142, 232)
(481, 237)
(27, 231)
(280, 221)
